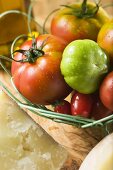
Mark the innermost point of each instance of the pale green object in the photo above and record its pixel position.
(101, 156)
(83, 65)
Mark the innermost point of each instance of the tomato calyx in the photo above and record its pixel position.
(57, 102)
(62, 106)
(32, 54)
(84, 11)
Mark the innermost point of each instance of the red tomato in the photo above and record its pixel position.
(41, 81)
(72, 22)
(81, 104)
(63, 107)
(99, 111)
(106, 91)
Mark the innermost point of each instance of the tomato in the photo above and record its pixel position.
(106, 91)
(81, 104)
(105, 38)
(99, 111)
(78, 21)
(63, 107)
(40, 79)
(83, 65)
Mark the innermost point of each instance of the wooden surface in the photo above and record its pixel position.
(76, 140)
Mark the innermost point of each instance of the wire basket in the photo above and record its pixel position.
(42, 110)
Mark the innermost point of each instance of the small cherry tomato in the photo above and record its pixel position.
(63, 107)
(81, 104)
(106, 91)
(99, 111)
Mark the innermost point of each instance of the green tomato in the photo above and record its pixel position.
(83, 65)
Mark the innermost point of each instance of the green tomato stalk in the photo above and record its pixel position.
(84, 11)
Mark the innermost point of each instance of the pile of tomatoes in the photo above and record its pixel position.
(36, 68)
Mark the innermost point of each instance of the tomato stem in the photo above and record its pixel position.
(57, 102)
(85, 11)
(32, 53)
(84, 6)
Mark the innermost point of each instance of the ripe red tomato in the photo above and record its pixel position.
(106, 91)
(81, 104)
(63, 107)
(99, 111)
(79, 21)
(40, 80)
